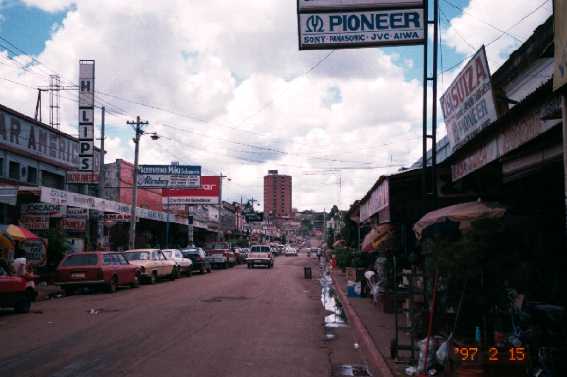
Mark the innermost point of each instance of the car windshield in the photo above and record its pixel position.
(81, 260)
(168, 254)
(138, 255)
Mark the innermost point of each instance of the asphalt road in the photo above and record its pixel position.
(235, 322)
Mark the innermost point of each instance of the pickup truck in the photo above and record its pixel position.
(219, 254)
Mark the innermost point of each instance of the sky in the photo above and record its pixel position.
(227, 88)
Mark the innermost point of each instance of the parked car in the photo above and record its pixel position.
(99, 269)
(290, 252)
(184, 265)
(199, 258)
(219, 254)
(16, 292)
(260, 255)
(244, 253)
(153, 264)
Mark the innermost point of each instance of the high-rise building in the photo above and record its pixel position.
(277, 195)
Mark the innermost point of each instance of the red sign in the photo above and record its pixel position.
(82, 177)
(209, 193)
(74, 224)
(35, 222)
(147, 198)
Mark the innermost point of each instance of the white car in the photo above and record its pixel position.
(290, 252)
(184, 265)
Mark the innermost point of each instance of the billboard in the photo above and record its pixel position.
(86, 114)
(307, 5)
(560, 74)
(348, 29)
(45, 209)
(169, 176)
(468, 104)
(208, 193)
(82, 177)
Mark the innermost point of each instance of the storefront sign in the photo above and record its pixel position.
(522, 130)
(38, 141)
(82, 177)
(50, 210)
(560, 74)
(380, 198)
(468, 104)
(74, 225)
(35, 252)
(54, 196)
(361, 29)
(174, 176)
(86, 114)
(308, 5)
(117, 217)
(77, 213)
(208, 193)
(35, 222)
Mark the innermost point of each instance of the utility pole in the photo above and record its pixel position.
(219, 234)
(100, 226)
(139, 132)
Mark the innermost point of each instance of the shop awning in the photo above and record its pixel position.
(463, 214)
(376, 236)
(17, 233)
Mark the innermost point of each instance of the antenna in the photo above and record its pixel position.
(54, 100)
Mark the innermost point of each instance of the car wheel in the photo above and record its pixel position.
(23, 305)
(113, 285)
(153, 277)
(68, 291)
(136, 281)
(209, 270)
(174, 273)
(202, 270)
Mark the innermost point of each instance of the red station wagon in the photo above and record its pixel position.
(107, 270)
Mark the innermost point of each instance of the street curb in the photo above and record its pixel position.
(375, 356)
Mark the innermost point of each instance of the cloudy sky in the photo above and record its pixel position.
(225, 86)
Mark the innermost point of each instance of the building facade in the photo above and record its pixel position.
(277, 195)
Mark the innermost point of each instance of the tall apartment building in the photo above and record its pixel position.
(277, 195)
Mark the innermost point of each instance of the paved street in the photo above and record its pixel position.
(236, 322)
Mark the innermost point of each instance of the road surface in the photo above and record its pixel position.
(236, 322)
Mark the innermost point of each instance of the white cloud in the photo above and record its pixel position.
(234, 73)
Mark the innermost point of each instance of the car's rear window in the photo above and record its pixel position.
(81, 260)
(138, 255)
(190, 252)
(260, 249)
(258, 255)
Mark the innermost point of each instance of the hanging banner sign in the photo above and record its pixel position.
(174, 176)
(86, 114)
(309, 5)
(468, 104)
(35, 252)
(45, 209)
(321, 31)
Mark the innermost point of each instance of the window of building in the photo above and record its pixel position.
(32, 175)
(14, 170)
(49, 179)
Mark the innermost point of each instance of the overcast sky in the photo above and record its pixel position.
(225, 86)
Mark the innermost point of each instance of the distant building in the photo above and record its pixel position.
(277, 195)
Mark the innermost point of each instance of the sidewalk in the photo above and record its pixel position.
(378, 325)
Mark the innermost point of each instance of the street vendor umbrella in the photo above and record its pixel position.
(17, 233)
(375, 237)
(463, 214)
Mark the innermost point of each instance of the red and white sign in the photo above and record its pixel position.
(208, 193)
(82, 177)
(35, 222)
(468, 105)
(74, 224)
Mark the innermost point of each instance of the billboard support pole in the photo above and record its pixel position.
(167, 222)
(433, 79)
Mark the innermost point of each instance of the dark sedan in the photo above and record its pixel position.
(198, 257)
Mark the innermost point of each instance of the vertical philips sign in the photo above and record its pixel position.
(336, 24)
(86, 114)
